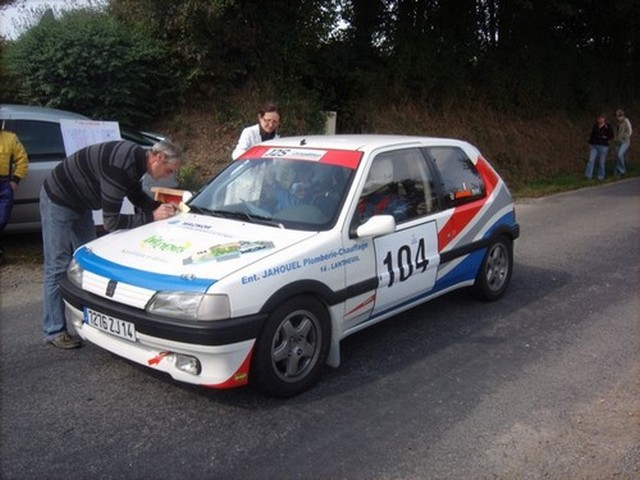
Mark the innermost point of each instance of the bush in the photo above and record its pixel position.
(89, 63)
(8, 84)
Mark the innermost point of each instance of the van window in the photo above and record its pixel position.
(42, 140)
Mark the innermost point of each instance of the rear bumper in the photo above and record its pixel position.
(220, 366)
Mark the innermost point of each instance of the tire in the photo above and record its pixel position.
(495, 271)
(292, 348)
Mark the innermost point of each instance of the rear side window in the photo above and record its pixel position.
(42, 140)
(461, 182)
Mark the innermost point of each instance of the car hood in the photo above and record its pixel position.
(193, 246)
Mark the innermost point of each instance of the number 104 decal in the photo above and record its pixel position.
(406, 262)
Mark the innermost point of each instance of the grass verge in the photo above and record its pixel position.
(564, 183)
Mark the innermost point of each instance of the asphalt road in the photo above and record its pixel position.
(542, 384)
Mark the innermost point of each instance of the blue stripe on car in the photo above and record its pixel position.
(140, 278)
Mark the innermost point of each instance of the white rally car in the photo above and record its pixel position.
(295, 245)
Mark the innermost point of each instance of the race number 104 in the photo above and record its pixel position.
(407, 261)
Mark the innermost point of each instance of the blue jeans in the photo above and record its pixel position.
(6, 202)
(621, 169)
(599, 151)
(63, 230)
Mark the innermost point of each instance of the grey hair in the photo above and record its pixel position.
(172, 151)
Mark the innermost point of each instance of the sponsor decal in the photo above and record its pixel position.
(226, 251)
(327, 261)
(344, 158)
(239, 377)
(156, 242)
(295, 153)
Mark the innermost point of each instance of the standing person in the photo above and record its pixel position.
(96, 177)
(623, 139)
(265, 129)
(14, 165)
(601, 134)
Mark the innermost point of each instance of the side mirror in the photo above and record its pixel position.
(376, 226)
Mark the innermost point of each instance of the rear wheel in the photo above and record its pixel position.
(292, 348)
(495, 271)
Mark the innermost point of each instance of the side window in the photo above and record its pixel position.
(398, 184)
(42, 140)
(461, 181)
(415, 182)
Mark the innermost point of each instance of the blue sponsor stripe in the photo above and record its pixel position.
(466, 270)
(140, 278)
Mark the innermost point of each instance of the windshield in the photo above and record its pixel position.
(285, 193)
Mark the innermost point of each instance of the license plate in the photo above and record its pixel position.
(114, 326)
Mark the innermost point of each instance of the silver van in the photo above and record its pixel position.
(38, 129)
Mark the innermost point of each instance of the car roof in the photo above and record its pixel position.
(31, 112)
(361, 142)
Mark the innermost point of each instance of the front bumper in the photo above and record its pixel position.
(218, 332)
(223, 366)
(222, 349)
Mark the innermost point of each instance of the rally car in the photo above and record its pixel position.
(292, 247)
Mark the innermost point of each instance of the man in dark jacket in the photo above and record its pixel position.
(96, 177)
(601, 134)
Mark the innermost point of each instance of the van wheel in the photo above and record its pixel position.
(292, 348)
(495, 271)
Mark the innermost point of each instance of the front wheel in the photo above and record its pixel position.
(292, 348)
(495, 271)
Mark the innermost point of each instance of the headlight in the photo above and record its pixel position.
(74, 273)
(190, 306)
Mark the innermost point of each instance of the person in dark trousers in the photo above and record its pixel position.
(14, 165)
(601, 134)
(96, 177)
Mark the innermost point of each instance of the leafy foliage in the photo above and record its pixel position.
(87, 62)
(8, 82)
(354, 56)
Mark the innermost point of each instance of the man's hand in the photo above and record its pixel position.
(165, 210)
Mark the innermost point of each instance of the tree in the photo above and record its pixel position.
(88, 62)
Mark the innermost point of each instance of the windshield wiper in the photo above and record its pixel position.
(248, 217)
(236, 214)
(200, 210)
(267, 221)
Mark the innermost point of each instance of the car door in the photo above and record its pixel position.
(406, 260)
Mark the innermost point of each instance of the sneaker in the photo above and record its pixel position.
(65, 341)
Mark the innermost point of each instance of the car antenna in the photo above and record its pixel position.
(303, 141)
